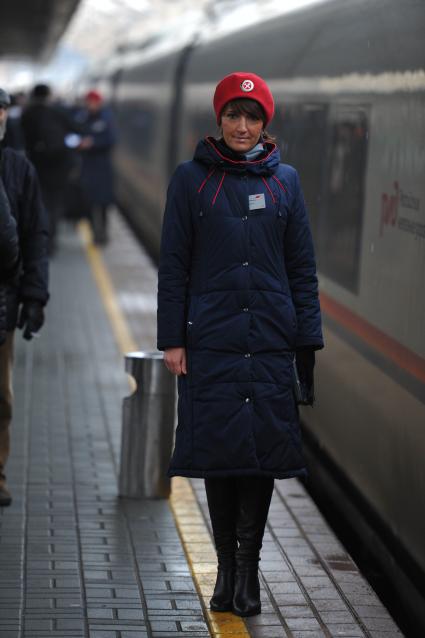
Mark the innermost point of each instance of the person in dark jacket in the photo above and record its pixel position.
(46, 127)
(98, 128)
(9, 241)
(9, 252)
(24, 286)
(237, 299)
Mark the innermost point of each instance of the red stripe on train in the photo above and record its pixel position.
(389, 347)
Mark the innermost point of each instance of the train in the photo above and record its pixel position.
(349, 84)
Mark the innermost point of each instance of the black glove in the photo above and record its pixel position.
(305, 360)
(31, 318)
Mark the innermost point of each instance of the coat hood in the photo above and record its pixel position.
(216, 154)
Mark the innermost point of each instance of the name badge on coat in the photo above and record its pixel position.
(256, 201)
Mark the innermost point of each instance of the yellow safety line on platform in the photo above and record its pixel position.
(195, 537)
(201, 557)
(119, 325)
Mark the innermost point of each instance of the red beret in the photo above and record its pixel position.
(243, 85)
(93, 96)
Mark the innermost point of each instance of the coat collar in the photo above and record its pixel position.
(215, 153)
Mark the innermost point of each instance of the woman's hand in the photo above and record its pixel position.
(175, 360)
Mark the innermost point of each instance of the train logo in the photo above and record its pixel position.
(389, 209)
(391, 214)
(247, 86)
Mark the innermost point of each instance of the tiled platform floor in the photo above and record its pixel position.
(74, 559)
(77, 561)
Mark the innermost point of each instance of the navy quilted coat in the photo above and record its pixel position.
(238, 289)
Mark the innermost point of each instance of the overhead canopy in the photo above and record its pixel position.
(32, 29)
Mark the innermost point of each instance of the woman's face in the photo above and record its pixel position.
(241, 132)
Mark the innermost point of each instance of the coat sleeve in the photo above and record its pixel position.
(33, 240)
(301, 271)
(174, 264)
(9, 241)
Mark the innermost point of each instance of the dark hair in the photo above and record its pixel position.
(41, 91)
(246, 106)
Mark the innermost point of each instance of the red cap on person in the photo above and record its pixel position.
(243, 85)
(93, 96)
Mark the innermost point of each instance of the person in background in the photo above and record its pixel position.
(46, 127)
(95, 121)
(23, 285)
(237, 298)
(9, 241)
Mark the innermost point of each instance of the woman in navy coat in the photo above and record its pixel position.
(237, 299)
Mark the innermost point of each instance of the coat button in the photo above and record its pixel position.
(245, 263)
(247, 400)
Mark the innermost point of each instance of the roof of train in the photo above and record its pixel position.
(374, 37)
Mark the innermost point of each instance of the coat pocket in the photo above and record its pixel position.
(282, 218)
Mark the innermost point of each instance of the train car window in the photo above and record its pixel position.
(300, 130)
(196, 124)
(340, 225)
(137, 125)
(327, 144)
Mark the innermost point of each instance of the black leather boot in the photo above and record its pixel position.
(254, 495)
(222, 598)
(222, 505)
(246, 599)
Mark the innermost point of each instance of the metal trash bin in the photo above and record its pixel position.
(147, 427)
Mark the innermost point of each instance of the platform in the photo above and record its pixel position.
(75, 560)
